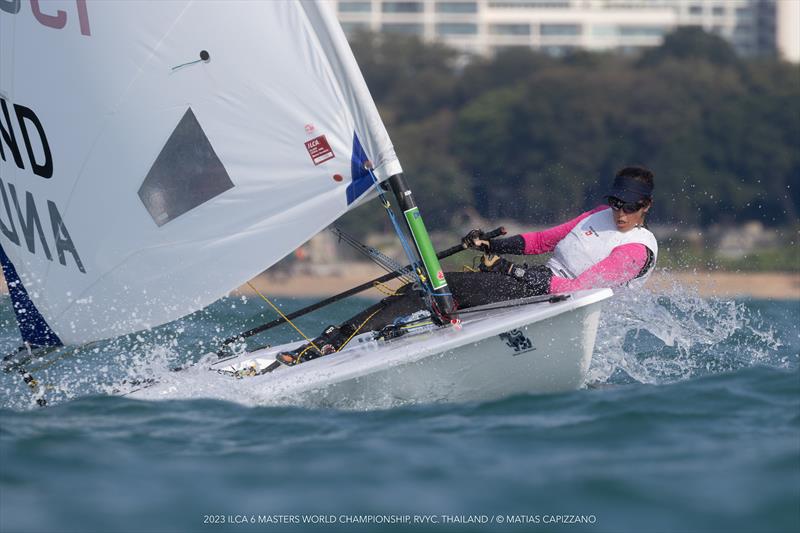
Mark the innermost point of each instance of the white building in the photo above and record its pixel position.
(557, 26)
(787, 19)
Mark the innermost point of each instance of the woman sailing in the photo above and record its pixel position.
(608, 246)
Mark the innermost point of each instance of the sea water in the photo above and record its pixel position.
(691, 422)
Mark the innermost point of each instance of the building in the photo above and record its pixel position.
(559, 26)
(787, 21)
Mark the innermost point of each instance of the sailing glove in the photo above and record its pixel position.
(537, 277)
(495, 263)
(475, 240)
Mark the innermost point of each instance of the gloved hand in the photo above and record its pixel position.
(495, 263)
(475, 240)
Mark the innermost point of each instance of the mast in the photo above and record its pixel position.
(422, 241)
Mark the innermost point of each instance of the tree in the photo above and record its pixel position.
(687, 43)
(526, 136)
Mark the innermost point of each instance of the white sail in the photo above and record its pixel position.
(134, 192)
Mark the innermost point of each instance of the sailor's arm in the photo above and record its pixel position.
(536, 242)
(624, 263)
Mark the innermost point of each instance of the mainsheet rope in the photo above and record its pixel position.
(283, 316)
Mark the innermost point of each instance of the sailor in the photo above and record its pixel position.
(608, 246)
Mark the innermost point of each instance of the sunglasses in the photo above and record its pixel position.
(617, 204)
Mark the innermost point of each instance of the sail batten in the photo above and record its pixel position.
(172, 187)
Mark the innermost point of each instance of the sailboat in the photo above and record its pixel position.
(153, 157)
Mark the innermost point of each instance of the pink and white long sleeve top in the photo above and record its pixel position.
(624, 263)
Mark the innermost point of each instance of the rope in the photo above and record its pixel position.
(283, 316)
(385, 289)
(417, 324)
(375, 255)
(359, 329)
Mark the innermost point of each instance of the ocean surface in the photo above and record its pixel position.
(691, 422)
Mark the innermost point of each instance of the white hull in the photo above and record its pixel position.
(533, 348)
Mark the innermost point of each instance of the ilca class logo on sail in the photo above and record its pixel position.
(518, 341)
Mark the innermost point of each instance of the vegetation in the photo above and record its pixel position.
(679, 255)
(534, 138)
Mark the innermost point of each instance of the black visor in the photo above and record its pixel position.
(630, 190)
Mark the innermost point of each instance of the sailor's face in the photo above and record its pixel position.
(627, 221)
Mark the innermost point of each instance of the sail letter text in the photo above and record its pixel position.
(29, 221)
(56, 21)
(32, 229)
(25, 116)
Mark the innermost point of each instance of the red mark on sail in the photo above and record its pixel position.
(319, 150)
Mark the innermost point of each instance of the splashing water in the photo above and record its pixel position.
(681, 456)
(643, 337)
(676, 335)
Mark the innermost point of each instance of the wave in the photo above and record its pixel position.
(674, 335)
(644, 337)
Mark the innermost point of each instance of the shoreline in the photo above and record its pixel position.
(707, 284)
(720, 284)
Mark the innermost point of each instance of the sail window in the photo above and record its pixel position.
(186, 174)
